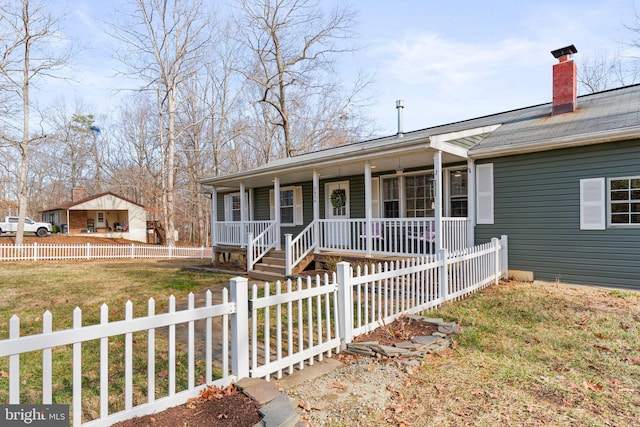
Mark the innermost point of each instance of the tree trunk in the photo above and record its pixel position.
(24, 145)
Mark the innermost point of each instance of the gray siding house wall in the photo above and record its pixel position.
(537, 204)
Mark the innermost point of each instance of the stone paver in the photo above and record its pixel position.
(278, 413)
(260, 390)
(418, 347)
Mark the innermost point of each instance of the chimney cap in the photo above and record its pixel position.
(568, 50)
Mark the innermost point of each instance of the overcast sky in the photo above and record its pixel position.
(448, 60)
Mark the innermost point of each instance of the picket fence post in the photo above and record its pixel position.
(504, 242)
(288, 256)
(35, 251)
(443, 254)
(496, 259)
(14, 363)
(240, 327)
(250, 251)
(77, 372)
(345, 303)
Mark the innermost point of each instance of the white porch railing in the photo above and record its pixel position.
(299, 247)
(235, 233)
(392, 236)
(389, 236)
(320, 316)
(259, 246)
(39, 252)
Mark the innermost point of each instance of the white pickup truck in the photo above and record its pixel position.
(10, 225)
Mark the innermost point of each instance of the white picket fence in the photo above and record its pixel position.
(277, 329)
(40, 252)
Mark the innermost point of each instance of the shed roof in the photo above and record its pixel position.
(70, 205)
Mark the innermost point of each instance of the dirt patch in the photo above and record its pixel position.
(402, 329)
(227, 409)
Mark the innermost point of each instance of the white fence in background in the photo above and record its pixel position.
(276, 329)
(40, 252)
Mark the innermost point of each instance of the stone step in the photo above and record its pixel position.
(273, 261)
(265, 277)
(276, 254)
(269, 268)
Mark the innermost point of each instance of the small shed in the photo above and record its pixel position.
(105, 214)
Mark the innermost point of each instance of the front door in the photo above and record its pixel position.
(337, 233)
(100, 220)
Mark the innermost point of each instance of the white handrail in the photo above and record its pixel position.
(259, 246)
(300, 247)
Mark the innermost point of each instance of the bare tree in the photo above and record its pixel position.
(134, 166)
(164, 41)
(29, 35)
(222, 93)
(602, 72)
(293, 44)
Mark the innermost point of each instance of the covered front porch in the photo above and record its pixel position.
(402, 196)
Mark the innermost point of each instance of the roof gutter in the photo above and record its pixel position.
(558, 143)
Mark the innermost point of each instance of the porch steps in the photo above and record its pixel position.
(271, 269)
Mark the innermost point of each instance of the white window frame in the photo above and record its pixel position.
(609, 203)
(382, 195)
(446, 176)
(228, 206)
(404, 197)
(298, 211)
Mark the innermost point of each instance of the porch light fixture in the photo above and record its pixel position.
(399, 169)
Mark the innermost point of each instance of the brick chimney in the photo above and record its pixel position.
(565, 81)
(78, 193)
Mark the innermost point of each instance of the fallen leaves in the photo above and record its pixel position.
(601, 347)
(309, 406)
(215, 393)
(337, 384)
(634, 361)
(593, 386)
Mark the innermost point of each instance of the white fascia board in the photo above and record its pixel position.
(441, 141)
(557, 143)
(449, 148)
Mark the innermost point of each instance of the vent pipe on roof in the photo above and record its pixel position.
(565, 81)
(399, 107)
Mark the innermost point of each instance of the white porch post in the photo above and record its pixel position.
(214, 218)
(471, 202)
(437, 173)
(276, 209)
(367, 207)
(316, 210)
(243, 217)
